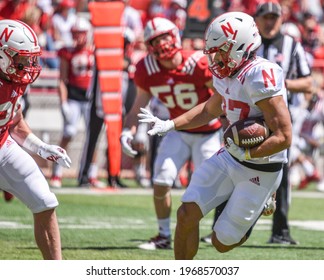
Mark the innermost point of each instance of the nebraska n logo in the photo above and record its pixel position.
(268, 77)
(6, 34)
(228, 29)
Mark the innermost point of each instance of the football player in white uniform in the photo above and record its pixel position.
(19, 173)
(246, 86)
(180, 79)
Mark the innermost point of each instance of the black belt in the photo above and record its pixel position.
(268, 167)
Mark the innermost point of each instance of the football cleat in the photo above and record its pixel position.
(56, 182)
(7, 196)
(157, 242)
(114, 182)
(313, 178)
(97, 183)
(283, 239)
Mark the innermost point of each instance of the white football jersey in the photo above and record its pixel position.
(258, 80)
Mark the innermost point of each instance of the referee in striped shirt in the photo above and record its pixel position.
(290, 55)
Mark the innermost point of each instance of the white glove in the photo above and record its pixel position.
(67, 113)
(125, 139)
(46, 151)
(54, 153)
(240, 153)
(160, 127)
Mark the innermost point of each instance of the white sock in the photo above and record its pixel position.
(93, 171)
(57, 170)
(308, 168)
(164, 227)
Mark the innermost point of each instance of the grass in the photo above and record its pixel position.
(110, 226)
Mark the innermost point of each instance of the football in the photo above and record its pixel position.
(247, 133)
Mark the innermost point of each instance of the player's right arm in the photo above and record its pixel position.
(201, 114)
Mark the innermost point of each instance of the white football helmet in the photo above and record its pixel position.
(160, 26)
(229, 41)
(81, 31)
(19, 52)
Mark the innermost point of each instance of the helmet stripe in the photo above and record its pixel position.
(30, 30)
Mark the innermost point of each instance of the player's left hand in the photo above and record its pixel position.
(240, 153)
(160, 127)
(56, 154)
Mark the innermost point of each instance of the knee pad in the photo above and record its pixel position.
(231, 226)
(69, 131)
(48, 202)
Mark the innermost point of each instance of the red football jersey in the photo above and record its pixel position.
(178, 89)
(9, 104)
(80, 66)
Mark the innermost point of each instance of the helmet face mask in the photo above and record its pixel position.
(162, 38)
(26, 69)
(230, 39)
(19, 52)
(163, 46)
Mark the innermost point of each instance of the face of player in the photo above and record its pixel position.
(27, 69)
(163, 46)
(80, 38)
(269, 25)
(219, 63)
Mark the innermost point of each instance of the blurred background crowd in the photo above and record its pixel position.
(52, 20)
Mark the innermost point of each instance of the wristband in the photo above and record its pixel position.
(32, 143)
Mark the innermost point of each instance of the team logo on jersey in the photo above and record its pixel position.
(13, 94)
(227, 91)
(268, 78)
(255, 180)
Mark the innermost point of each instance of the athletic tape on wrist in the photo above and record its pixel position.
(32, 143)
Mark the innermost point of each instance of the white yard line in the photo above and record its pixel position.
(108, 191)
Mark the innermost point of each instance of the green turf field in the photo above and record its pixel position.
(109, 225)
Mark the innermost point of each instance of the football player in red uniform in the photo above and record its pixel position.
(180, 80)
(76, 67)
(19, 173)
(247, 86)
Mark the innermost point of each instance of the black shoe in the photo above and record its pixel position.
(114, 182)
(284, 239)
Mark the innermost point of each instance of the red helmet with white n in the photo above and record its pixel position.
(19, 52)
(81, 31)
(159, 26)
(229, 41)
